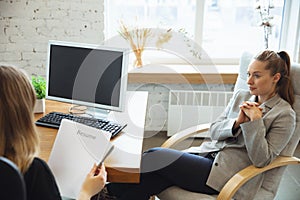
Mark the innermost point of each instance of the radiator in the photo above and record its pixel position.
(189, 108)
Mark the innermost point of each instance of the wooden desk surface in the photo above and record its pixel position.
(123, 165)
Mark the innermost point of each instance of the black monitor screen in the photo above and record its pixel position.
(85, 74)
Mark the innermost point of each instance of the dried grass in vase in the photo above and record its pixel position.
(137, 38)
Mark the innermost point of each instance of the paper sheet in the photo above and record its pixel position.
(76, 148)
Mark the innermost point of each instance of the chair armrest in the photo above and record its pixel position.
(249, 172)
(182, 135)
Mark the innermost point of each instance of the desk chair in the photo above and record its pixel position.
(12, 185)
(273, 172)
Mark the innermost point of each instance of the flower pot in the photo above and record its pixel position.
(39, 106)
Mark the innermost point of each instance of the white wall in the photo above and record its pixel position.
(26, 26)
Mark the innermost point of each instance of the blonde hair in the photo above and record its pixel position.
(18, 137)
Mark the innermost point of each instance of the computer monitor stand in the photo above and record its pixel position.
(97, 112)
(89, 111)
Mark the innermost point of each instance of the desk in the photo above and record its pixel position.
(123, 164)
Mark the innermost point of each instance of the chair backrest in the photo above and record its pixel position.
(12, 185)
(272, 178)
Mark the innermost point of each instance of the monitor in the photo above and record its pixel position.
(89, 75)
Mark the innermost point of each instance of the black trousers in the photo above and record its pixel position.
(162, 168)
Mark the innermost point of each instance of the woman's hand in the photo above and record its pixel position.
(93, 183)
(242, 117)
(251, 110)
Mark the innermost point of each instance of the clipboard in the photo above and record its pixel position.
(76, 148)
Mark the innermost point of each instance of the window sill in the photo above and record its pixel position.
(175, 74)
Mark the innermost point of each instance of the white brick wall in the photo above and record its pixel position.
(26, 26)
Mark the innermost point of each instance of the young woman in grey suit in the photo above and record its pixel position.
(253, 130)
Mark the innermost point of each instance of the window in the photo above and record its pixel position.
(223, 28)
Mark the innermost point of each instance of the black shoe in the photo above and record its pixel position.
(104, 195)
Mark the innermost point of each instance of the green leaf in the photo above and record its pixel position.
(39, 84)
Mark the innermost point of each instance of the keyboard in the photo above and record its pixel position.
(53, 120)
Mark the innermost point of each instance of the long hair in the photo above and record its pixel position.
(279, 63)
(18, 137)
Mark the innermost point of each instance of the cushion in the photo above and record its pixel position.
(176, 193)
(263, 194)
(295, 74)
(241, 82)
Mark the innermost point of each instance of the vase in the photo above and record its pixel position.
(39, 106)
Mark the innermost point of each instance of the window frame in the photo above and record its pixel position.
(285, 39)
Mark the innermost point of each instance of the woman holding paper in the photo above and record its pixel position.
(19, 140)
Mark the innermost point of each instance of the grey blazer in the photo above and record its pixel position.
(255, 143)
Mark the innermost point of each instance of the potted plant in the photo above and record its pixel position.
(39, 84)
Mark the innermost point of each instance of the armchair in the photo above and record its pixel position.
(272, 172)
